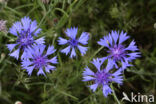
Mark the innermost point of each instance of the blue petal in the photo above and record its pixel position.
(132, 46)
(134, 55)
(103, 59)
(82, 49)
(28, 53)
(118, 78)
(66, 50)
(117, 73)
(110, 65)
(11, 46)
(37, 31)
(41, 72)
(30, 69)
(13, 31)
(26, 63)
(106, 90)
(123, 37)
(53, 60)
(97, 63)
(109, 39)
(26, 23)
(114, 62)
(40, 41)
(104, 42)
(84, 38)
(15, 54)
(41, 48)
(24, 55)
(50, 50)
(18, 26)
(35, 49)
(125, 65)
(115, 36)
(49, 67)
(62, 41)
(33, 26)
(94, 87)
(88, 72)
(72, 32)
(73, 53)
(88, 78)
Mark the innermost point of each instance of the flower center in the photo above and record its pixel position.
(73, 42)
(39, 61)
(102, 77)
(117, 52)
(25, 40)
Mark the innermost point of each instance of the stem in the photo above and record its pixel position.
(141, 73)
(23, 6)
(13, 10)
(44, 17)
(114, 95)
(96, 52)
(60, 60)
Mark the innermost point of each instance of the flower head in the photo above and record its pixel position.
(24, 30)
(3, 26)
(36, 59)
(103, 77)
(117, 51)
(74, 43)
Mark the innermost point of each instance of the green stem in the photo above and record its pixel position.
(61, 10)
(96, 52)
(44, 17)
(142, 73)
(13, 10)
(24, 6)
(59, 58)
(114, 95)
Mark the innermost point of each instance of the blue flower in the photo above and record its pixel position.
(117, 51)
(103, 77)
(73, 42)
(36, 59)
(24, 30)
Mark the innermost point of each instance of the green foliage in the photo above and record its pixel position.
(98, 17)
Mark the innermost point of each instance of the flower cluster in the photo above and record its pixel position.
(25, 31)
(35, 55)
(32, 55)
(117, 53)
